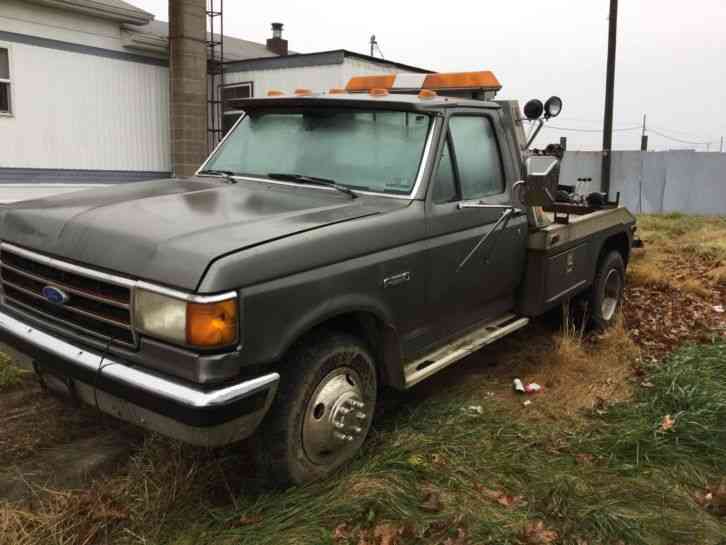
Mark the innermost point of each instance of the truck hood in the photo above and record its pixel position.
(169, 231)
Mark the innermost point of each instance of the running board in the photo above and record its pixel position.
(426, 366)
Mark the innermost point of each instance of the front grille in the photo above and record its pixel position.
(99, 305)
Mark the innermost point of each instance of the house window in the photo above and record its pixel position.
(4, 81)
(230, 94)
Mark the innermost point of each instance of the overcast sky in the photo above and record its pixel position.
(671, 54)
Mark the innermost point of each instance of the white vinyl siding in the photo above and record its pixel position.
(79, 111)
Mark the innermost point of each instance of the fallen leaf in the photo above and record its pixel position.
(247, 520)
(416, 460)
(509, 501)
(438, 459)
(535, 533)
(667, 423)
(647, 384)
(500, 497)
(432, 502)
(713, 499)
(584, 458)
(386, 534)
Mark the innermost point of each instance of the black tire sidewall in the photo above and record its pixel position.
(281, 451)
(611, 261)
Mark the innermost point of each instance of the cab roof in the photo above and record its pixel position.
(393, 101)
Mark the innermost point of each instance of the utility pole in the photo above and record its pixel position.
(643, 138)
(374, 43)
(607, 137)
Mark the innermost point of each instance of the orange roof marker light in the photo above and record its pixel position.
(482, 85)
(274, 93)
(378, 92)
(366, 83)
(427, 94)
(303, 92)
(337, 91)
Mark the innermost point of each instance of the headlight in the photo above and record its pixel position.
(206, 325)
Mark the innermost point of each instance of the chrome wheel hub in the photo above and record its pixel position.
(611, 297)
(337, 417)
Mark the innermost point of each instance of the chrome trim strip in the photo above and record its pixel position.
(136, 378)
(86, 313)
(68, 267)
(70, 328)
(66, 287)
(190, 297)
(409, 196)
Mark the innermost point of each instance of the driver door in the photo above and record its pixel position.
(462, 292)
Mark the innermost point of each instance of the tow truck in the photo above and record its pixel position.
(333, 243)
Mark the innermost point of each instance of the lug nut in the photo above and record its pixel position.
(357, 429)
(340, 436)
(344, 410)
(339, 425)
(360, 415)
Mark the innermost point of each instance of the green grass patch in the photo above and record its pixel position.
(11, 375)
(432, 467)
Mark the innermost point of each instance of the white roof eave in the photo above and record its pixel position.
(115, 11)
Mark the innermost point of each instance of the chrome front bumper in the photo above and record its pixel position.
(165, 405)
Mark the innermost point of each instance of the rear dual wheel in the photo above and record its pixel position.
(606, 296)
(322, 412)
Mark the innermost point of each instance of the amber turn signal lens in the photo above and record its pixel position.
(212, 324)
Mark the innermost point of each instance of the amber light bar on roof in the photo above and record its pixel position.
(453, 81)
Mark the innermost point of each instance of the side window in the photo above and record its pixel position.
(477, 156)
(444, 184)
(4, 81)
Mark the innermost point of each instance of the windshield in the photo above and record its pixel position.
(377, 151)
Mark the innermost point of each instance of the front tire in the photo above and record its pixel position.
(606, 296)
(323, 410)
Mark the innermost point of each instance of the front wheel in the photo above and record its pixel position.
(606, 296)
(323, 410)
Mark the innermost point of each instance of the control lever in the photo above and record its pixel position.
(508, 212)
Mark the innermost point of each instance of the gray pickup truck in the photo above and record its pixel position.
(331, 245)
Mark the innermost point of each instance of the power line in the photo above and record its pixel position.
(572, 129)
(651, 129)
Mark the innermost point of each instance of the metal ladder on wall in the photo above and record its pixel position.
(215, 72)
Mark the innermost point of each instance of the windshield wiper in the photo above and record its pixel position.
(226, 174)
(312, 180)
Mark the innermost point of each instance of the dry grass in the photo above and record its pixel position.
(578, 372)
(682, 252)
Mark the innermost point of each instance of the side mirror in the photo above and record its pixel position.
(552, 107)
(533, 109)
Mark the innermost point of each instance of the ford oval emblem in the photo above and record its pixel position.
(55, 295)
